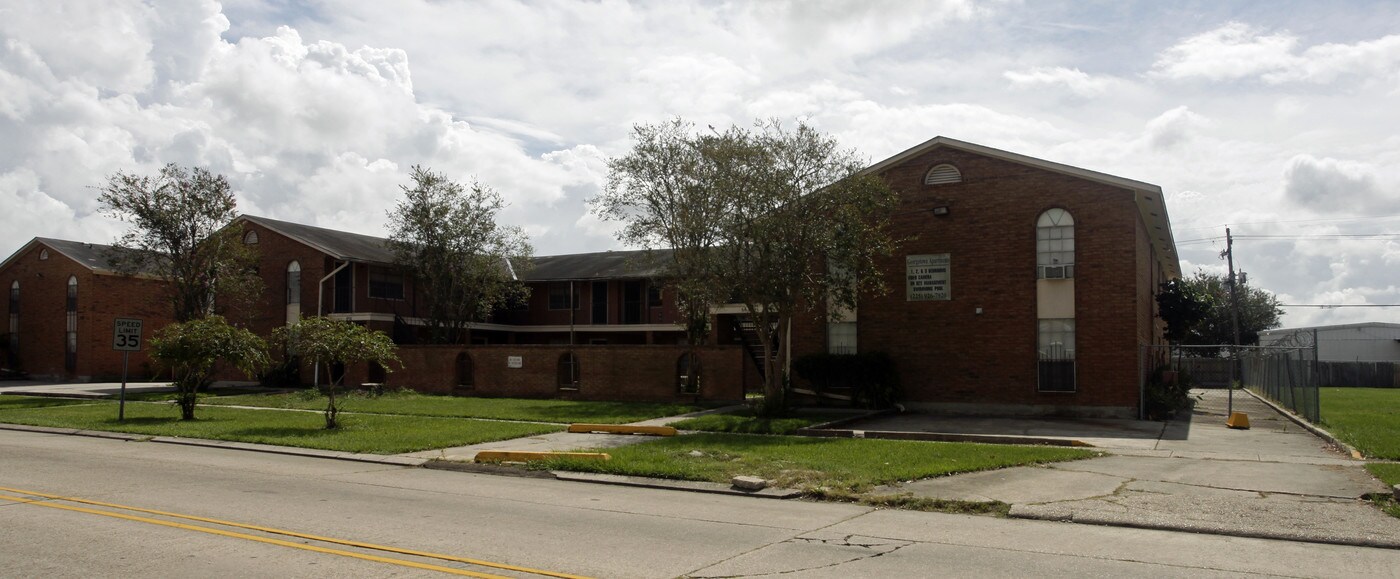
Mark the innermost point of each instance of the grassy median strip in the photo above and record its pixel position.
(745, 422)
(360, 433)
(414, 404)
(825, 465)
(1366, 418)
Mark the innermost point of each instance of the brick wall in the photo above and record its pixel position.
(635, 373)
(949, 354)
(101, 299)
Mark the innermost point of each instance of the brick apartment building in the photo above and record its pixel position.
(1024, 286)
(63, 299)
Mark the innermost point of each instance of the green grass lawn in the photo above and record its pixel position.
(1366, 418)
(414, 404)
(13, 402)
(834, 464)
(744, 422)
(1389, 473)
(358, 433)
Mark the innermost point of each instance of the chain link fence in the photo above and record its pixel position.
(1285, 372)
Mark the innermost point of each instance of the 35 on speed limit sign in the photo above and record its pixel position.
(126, 335)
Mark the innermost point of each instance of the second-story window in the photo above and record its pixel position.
(70, 354)
(385, 284)
(293, 283)
(559, 294)
(1054, 245)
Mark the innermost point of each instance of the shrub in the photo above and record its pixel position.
(1167, 392)
(871, 376)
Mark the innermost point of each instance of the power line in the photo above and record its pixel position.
(1330, 306)
(1338, 219)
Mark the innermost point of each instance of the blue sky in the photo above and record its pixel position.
(1274, 117)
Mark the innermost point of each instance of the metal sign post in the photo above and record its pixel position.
(126, 338)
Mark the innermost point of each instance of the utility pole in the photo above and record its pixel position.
(1234, 319)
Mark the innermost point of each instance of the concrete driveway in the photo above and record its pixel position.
(1275, 480)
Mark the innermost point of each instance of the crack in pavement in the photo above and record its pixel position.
(893, 544)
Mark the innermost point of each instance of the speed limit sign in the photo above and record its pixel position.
(126, 335)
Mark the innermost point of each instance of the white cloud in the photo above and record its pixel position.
(1333, 185)
(315, 113)
(1074, 80)
(1237, 51)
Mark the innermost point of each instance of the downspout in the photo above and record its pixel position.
(320, 290)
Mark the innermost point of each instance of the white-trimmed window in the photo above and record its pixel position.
(14, 322)
(943, 174)
(70, 341)
(250, 238)
(1054, 245)
(43, 254)
(293, 283)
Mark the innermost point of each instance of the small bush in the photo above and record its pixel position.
(871, 376)
(1165, 395)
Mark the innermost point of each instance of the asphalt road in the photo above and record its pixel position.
(232, 513)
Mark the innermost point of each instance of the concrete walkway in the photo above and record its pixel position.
(557, 441)
(1275, 480)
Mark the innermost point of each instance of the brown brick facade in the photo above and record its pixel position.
(952, 357)
(101, 298)
(636, 373)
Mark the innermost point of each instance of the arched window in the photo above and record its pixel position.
(1054, 245)
(688, 373)
(12, 344)
(943, 174)
(293, 283)
(43, 254)
(250, 238)
(465, 370)
(568, 371)
(70, 352)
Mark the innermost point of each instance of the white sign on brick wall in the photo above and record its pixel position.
(928, 277)
(515, 361)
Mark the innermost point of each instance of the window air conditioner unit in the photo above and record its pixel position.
(1052, 272)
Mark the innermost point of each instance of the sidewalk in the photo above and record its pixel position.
(556, 441)
(1274, 481)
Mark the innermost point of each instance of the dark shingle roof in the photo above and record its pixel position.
(92, 255)
(602, 265)
(344, 245)
(341, 245)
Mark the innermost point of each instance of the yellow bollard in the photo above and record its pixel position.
(1238, 420)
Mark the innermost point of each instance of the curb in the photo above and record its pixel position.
(427, 463)
(1308, 426)
(942, 437)
(673, 485)
(1108, 521)
(385, 459)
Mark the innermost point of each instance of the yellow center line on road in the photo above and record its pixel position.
(346, 542)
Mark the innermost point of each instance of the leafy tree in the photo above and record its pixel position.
(465, 265)
(1259, 311)
(760, 212)
(329, 342)
(803, 228)
(178, 234)
(191, 348)
(1181, 308)
(662, 191)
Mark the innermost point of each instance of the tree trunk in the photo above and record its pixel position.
(331, 410)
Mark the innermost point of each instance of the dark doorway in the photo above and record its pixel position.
(600, 302)
(344, 290)
(632, 302)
